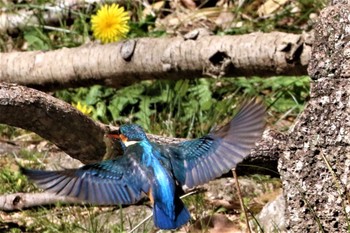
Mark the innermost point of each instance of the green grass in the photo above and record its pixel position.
(12, 181)
(77, 219)
(189, 108)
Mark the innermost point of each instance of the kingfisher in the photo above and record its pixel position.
(159, 170)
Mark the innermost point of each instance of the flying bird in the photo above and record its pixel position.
(158, 170)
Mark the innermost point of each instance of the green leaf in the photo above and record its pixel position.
(100, 112)
(35, 42)
(94, 95)
(126, 97)
(144, 113)
(181, 87)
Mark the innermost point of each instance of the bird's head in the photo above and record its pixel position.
(129, 134)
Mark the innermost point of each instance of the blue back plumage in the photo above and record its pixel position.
(169, 212)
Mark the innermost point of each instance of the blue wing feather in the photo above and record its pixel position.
(198, 161)
(118, 181)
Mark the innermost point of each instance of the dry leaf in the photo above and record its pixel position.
(152, 9)
(189, 4)
(270, 6)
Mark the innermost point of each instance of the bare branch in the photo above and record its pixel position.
(19, 201)
(50, 14)
(127, 62)
(52, 119)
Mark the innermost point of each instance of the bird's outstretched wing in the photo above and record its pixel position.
(198, 161)
(118, 181)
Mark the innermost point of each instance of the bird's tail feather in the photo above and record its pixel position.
(163, 221)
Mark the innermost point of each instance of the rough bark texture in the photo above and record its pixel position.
(82, 138)
(264, 157)
(53, 120)
(195, 55)
(315, 168)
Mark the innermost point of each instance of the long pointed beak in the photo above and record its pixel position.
(122, 137)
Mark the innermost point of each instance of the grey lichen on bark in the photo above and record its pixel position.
(315, 168)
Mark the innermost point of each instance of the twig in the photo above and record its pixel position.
(241, 199)
(52, 28)
(140, 223)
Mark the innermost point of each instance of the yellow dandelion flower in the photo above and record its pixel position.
(85, 109)
(110, 24)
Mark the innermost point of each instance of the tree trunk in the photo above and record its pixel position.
(315, 167)
(195, 55)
